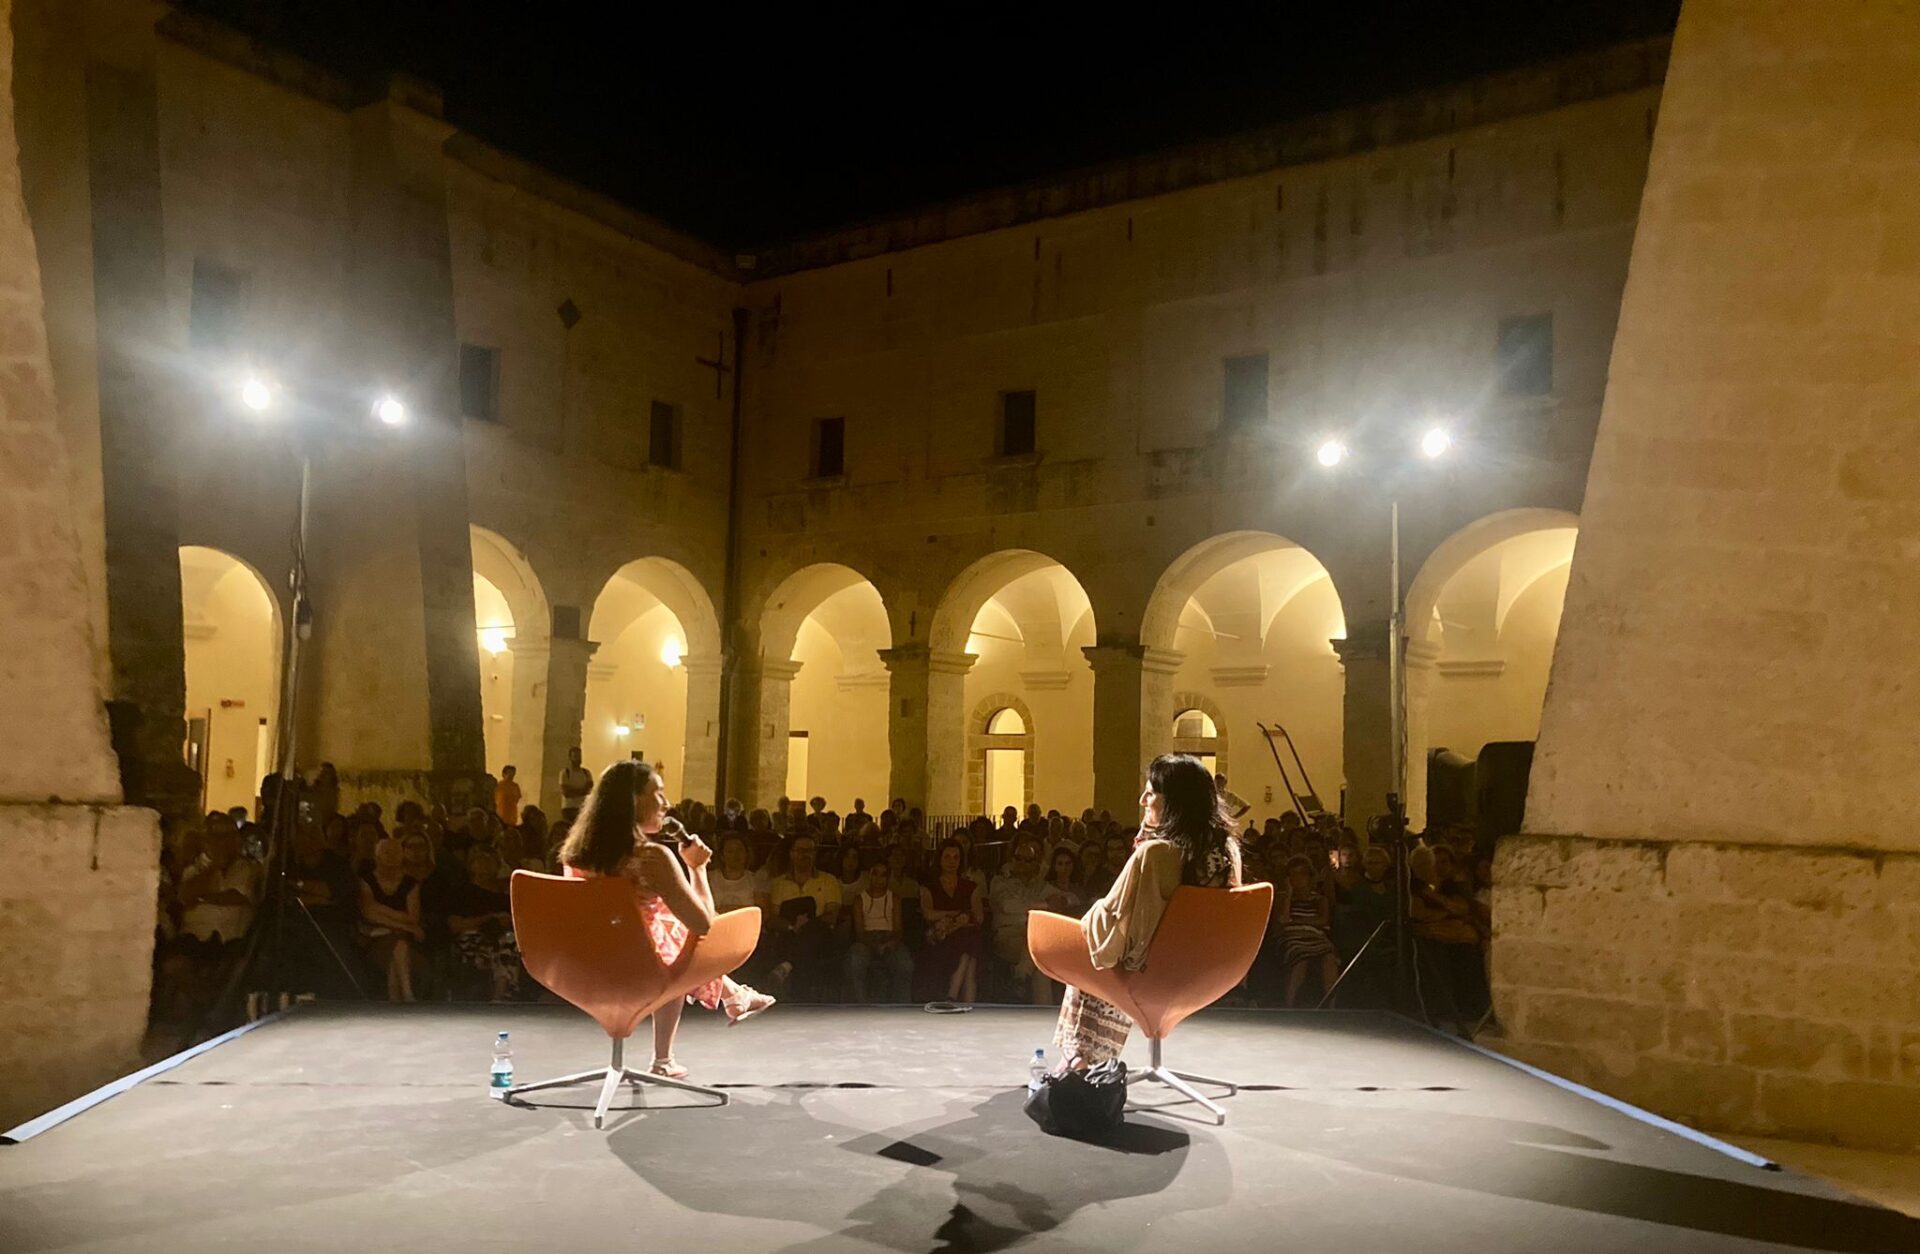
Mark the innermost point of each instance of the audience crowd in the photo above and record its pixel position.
(856, 907)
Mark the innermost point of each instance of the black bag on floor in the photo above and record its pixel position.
(1085, 1105)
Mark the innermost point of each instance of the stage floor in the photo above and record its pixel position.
(890, 1129)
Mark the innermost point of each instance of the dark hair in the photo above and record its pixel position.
(941, 853)
(601, 838)
(1194, 818)
(732, 838)
(1073, 862)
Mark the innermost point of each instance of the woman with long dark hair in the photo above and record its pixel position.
(1187, 838)
(623, 829)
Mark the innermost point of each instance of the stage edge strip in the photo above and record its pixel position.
(1698, 1137)
(113, 1088)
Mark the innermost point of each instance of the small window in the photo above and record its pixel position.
(1246, 390)
(829, 447)
(1525, 355)
(479, 382)
(663, 436)
(1194, 725)
(1018, 430)
(1006, 722)
(213, 321)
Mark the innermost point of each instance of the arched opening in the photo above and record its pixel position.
(510, 618)
(232, 629)
(1482, 619)
(1251, 618)
(1024, 619)
(1000, 767)
(827, 625)
(1195, 731)
(655, 628)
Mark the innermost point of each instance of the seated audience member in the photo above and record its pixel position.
(1062, 884)
(852, 868)
(535, 839)
(1013, 893)
(806, 906)
(1367, 912)
(322, 881)
(1448, 938)
(390, 926)
(219, 895)
(1093, 861)
(362, 836)
(480, 920)
(879, 939)
(954, 907)
(965, 839)
(1307, 912)
(734, 885)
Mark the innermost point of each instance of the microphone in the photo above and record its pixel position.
(672, 831)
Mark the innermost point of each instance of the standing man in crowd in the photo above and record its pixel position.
(576, 781)
(506, 797)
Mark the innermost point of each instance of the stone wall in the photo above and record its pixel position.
(76, 902)
(1738, 987)
(1730, 737)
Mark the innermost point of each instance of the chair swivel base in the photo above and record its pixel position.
(611, 1077)
(1182, 1082)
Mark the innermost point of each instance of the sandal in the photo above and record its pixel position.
(668, 1069)
(747, 1003)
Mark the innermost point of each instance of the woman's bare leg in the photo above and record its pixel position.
(1296, 976)
(403, 964)
(666, 1023)
(969, 984)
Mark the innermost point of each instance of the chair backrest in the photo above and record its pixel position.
(587, 941)
(1203, 948)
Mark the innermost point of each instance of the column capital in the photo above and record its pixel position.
(907, 657)
(779, 670)
(531, 647)
(702, 664)
(1366, 642)
(562, 646)
(1133, 656)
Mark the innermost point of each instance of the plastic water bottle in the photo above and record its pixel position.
(500, 1079)
(1037, 1071)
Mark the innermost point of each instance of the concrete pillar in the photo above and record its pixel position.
(76, 901)
(1366, 738)
(396, 682)
(527, 714)
(1132, 718)
(927, 726)
(566, 710)
(702, 768)
(1423, 662)
(762, 718)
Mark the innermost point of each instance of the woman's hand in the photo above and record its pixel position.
(695, 853)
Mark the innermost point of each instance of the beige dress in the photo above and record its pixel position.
(1119, 927)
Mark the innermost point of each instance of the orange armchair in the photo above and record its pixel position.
(1204, 947)
(587, 940)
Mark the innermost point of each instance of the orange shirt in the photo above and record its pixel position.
(506, 802)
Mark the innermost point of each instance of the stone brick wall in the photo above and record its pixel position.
(1731, 933)
(77, 896)
(1736, 987)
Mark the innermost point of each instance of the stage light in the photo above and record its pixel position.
(255, 394)
(621, 730)
(1436, 442)
(670, 652)
(494, 640)
(1331, 454)
(389, 410)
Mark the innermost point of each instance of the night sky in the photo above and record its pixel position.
(749, 128)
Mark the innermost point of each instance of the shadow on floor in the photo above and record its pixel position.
(1541, 1163)
(978, 1181)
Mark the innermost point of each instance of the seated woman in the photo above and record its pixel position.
(954, 907)
(618, 833)
(1063, 894)
(480, 920)
(1307, 914)
(390, 923)
(1188, 840)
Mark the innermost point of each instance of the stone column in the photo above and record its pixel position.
(396, 682)
(76, 901)
(764, 692)
(1366, 738)
(1423, 661)
(566, 710)
(702, 769)
(527, 714)
(1132, 718)
(926, 726)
